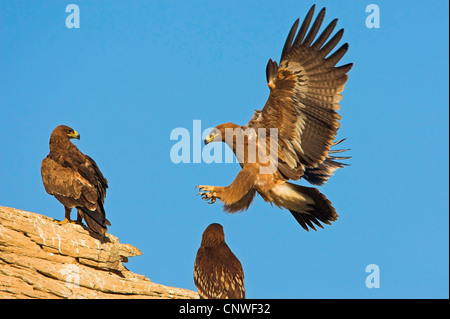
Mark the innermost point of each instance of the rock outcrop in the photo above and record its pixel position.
(41, 259)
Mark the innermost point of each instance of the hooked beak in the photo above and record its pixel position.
(74, 135)
(209, 139)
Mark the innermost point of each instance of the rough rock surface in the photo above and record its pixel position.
(41, 259)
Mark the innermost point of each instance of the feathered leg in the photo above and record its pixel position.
(232, 194)
(67, 219)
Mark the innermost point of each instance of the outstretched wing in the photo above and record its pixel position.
(304, 96)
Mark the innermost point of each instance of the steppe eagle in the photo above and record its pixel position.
(75, 180)
(218, 273)
(304, 97)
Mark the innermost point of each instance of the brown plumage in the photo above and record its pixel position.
(218, 273)
(75, 180)
(304, 97)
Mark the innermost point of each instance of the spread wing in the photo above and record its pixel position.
(304, 96)
(218, 274)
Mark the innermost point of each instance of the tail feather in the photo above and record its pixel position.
(308, 206)
(95, 220)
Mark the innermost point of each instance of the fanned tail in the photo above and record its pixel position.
(308, 205)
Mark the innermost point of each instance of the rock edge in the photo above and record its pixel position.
(41, 259)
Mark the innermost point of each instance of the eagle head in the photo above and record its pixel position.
(65, 132)
(218, 133)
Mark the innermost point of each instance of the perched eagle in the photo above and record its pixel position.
(75, 180)
(301, 110)
(218, 273)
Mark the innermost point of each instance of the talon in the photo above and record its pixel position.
(205, 188)
(207, 193)
(206, 196)
(66, 221)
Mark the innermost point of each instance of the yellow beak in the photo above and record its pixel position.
(209, 138)
(75, 135)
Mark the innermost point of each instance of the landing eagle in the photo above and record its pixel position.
(304, 97)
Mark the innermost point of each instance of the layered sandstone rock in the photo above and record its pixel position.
(41, 259)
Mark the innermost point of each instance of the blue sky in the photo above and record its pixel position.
(136, 70)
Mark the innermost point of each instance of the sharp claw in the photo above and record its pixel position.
(206, 194)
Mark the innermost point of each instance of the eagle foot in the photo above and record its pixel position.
(66, 221)
(207, 193)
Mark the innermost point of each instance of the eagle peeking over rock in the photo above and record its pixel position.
(75, 180)
(218, 274)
